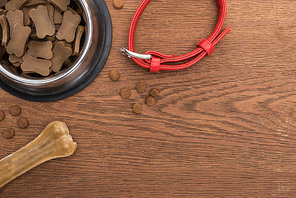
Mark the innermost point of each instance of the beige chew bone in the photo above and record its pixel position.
(60, 53)
(5, 30)
(61, 5)
(54, 142)
(14, 5)
(40, 49)
(14, 18)
(42, 22)
(79, 33)
(35, 65)
(68, 27)
(19, 37)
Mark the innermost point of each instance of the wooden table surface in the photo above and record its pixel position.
(222, 128)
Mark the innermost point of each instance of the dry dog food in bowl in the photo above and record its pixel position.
(51, 49)
(42, 36)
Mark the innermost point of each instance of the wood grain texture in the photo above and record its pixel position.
(222, 128)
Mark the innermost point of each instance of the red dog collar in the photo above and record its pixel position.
(156, 61)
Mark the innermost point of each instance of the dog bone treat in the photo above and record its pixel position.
(5, 30)
(14, 18)
(8, 133)
(118, 4)
(154, 92)
(125, 93)
(40, 49)
(68, 27)
(54, 142)
(42, 22)
(60, 53)
(14, 5)
(33, 3)
(19, 37)
(23, 123)
(114, 75)
(150, 101)
(2, 3)
(27, 20)
(50, 38)
(141, 87)
(2, 115)
(57, 17)
(17, 64)
(35, 65)
(50, 10)
(14, 59)
(79, 33)
(137, 108)
(15, 110)
(61, 5)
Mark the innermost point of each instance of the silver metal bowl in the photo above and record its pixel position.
(94, 54)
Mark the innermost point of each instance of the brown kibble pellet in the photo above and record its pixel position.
(23, 123)
(118, 4)
(114, 75)
(141, 87)
(151, 101)
(2, 115)
(154, 92)
(8, 133)
(137, 108)
(125, 93)
(15, 110)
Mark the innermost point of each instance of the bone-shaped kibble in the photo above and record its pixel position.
(42, 22)
(14, 18)
(14, 59)
(35, 65)
(5, 30)
(40, 49)
(50, 10)
(57, 17)
(2, 3)
(79, 33)
(33, 3)
(19, 37)
(68, 27)
(14, 5)
(60, 53)
(54, 142)
(61, 5)
(27, 20)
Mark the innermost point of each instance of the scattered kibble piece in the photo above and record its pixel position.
(137, 108)
(154, 92)
(125, 93)
(15, 110)
(23, 123)
(114, 75)
(141, 87)
(151, 101)
(118, 4)
(2, 115)
(8, 133)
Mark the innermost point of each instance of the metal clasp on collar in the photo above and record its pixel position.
(134, 54)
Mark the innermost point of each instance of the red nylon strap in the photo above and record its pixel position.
(161, 61)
